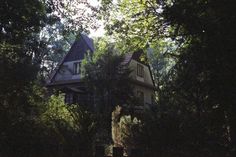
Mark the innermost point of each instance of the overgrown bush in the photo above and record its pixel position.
(147, 131)
(55, 128)
(127, 130)
(73, 126)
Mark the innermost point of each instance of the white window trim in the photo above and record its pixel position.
(77, 68)
(140, 70)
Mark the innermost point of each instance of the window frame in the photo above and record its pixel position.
(140, 70)
(77, 68)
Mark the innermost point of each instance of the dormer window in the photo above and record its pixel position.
(140, 70)
(77, 68)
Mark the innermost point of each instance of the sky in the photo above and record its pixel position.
(100, 31)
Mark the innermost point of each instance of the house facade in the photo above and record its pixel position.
(68, 79)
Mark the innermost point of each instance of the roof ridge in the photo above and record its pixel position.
(84, 36)
(54, 72)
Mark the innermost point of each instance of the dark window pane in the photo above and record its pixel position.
(140, 70)
(77, 68)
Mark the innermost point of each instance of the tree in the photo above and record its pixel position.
(69, 127)
(209, 48)
(204, 37)
(22, 49)
(107, 79)
(70, 18)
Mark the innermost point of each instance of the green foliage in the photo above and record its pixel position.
(127, 130)
(196, 94)
(72, 125)
(68, 19)
(133, 27)
(29, 123)
(131, 130)
(203, 68)
(116, 132)
(107, 78)
(57, 110)
(20, 49)
(52, 127)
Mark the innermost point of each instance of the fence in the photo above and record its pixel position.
(116, 152)
(54, 151)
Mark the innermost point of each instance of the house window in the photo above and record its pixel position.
(140, 70)
(140, 96)
(77, 68)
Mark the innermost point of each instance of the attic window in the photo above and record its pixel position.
(140, 70)
(77, 68)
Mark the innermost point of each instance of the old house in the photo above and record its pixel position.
(67, 76)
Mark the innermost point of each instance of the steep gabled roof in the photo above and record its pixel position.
(79, 48)
(77, 51)
(135, 56)
(89, 42)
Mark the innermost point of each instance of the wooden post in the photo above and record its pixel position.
(136, 153)
(99, 151)
(117, 151)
